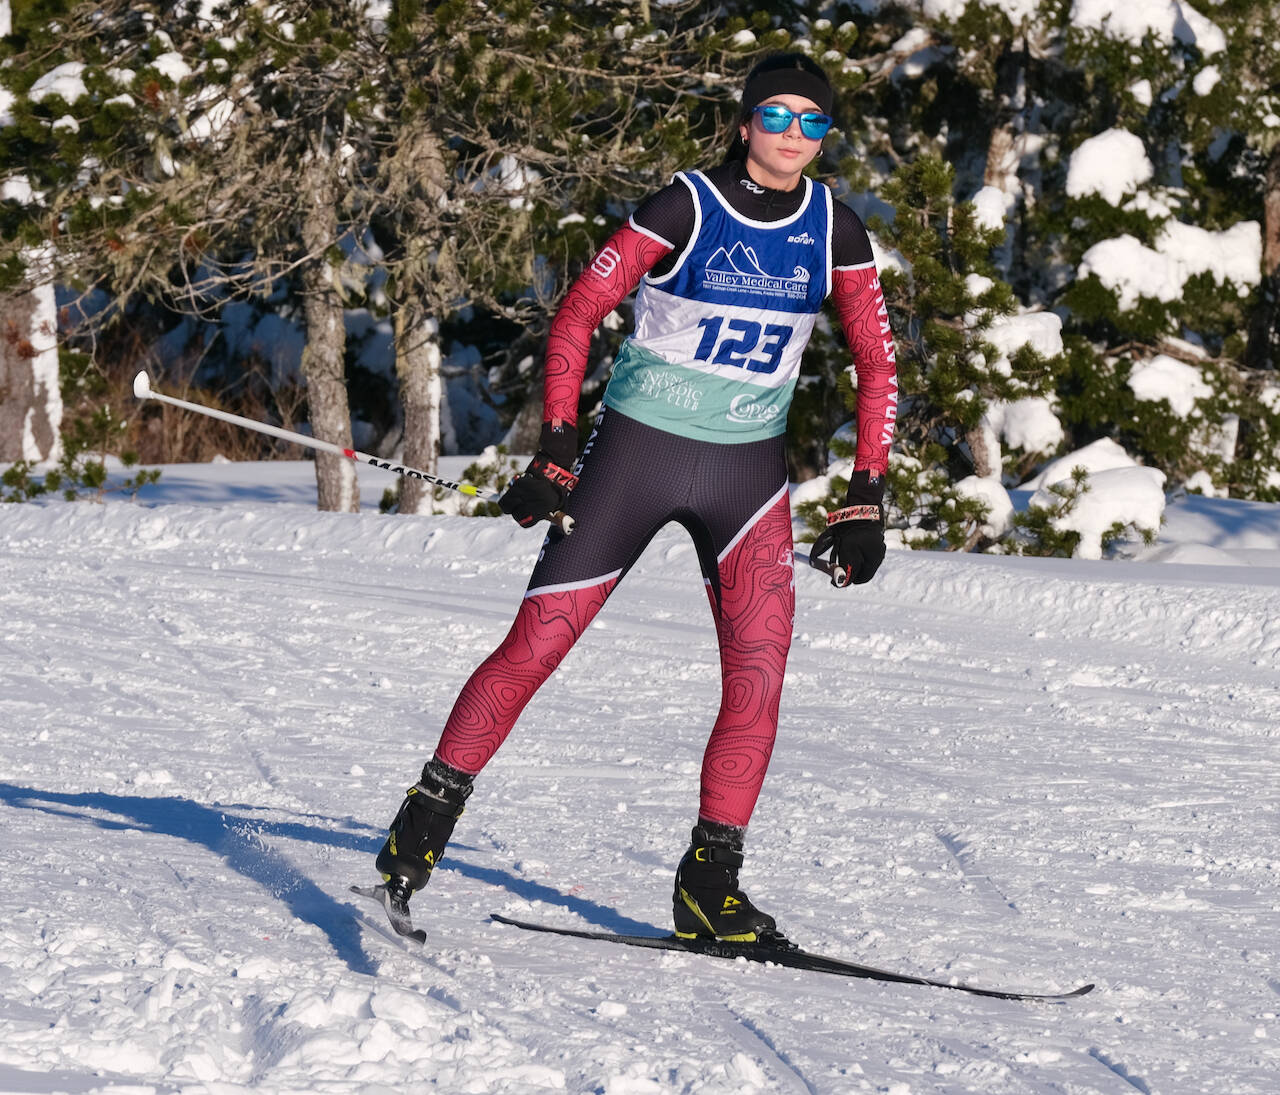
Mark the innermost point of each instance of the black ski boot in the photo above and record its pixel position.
(420, 831)
(707, 902)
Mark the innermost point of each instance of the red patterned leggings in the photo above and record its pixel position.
(732, 498)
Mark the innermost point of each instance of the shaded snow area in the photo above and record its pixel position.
(1025, 774)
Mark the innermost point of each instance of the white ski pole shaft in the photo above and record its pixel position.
(143, 390)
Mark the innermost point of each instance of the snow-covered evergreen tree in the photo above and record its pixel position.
(1126, 153)
(1113, 171)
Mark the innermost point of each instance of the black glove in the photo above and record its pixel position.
(544, 485)
(854, 535)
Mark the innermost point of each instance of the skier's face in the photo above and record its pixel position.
(777, 159)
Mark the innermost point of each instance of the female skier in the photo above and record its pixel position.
(733, 267)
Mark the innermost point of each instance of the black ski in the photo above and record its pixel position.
(397, 912)
(782, 954)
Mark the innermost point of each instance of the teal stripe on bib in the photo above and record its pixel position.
(694, 404)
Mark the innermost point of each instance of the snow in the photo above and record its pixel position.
(217, 112)
(1168, 21)
(1132, 270)
(65, 80)
(1234, 254)
(999, 505)
(173, 66)
(1023, 773)
(921, 54)
(1098, 456)
(1028, 424)
(1016, 10)
(992, 205)
(16, 188)
(1118, 496)
(1206, 80)
(1176, 382)
(1042, 331)
(1141, 91)
(1112, 164)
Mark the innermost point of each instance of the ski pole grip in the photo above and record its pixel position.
(839, 576)
(562, 521)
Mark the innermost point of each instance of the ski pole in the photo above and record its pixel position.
(142, 390)
(839, 577)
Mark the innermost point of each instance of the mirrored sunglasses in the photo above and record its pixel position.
(777, 119)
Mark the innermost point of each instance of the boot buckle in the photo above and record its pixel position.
(710, 853)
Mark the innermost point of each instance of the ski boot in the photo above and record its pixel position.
(419, 833)
(707, 903)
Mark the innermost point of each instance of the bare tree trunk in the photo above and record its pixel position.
(526, 431)
(1271, 213)
(30, 400)
(418, 369)
(428, 275)
(1002, 159)
(322, 359)
(984, 447)
(1264, 327)
(1004, 152)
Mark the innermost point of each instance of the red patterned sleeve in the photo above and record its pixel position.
(617, 268)
(859, 302)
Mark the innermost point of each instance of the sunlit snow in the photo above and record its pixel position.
(1017, 772)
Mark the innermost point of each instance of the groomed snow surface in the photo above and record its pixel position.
(1021, 773)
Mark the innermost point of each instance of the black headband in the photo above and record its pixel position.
(786, 81)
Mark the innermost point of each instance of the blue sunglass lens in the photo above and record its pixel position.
(814, 126)
(774, 119)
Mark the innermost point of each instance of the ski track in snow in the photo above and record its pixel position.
(1023, 774)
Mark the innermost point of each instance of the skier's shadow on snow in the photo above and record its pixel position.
(242, 841)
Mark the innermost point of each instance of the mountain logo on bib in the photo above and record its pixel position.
(738, 270)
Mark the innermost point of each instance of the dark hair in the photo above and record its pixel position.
(780, 74)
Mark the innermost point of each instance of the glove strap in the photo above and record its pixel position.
(854, 513)
(554, 473)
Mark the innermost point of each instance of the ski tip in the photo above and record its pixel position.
(1051, 997)
(398, 918)
(141, 386)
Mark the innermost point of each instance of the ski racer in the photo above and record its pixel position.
(733, 266)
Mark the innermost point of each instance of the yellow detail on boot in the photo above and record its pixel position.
(391, 842)
(729, 902)
(692, 905)
(430, 858)
(696, 910)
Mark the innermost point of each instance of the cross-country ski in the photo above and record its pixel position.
(782, 954)
(778, 952)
